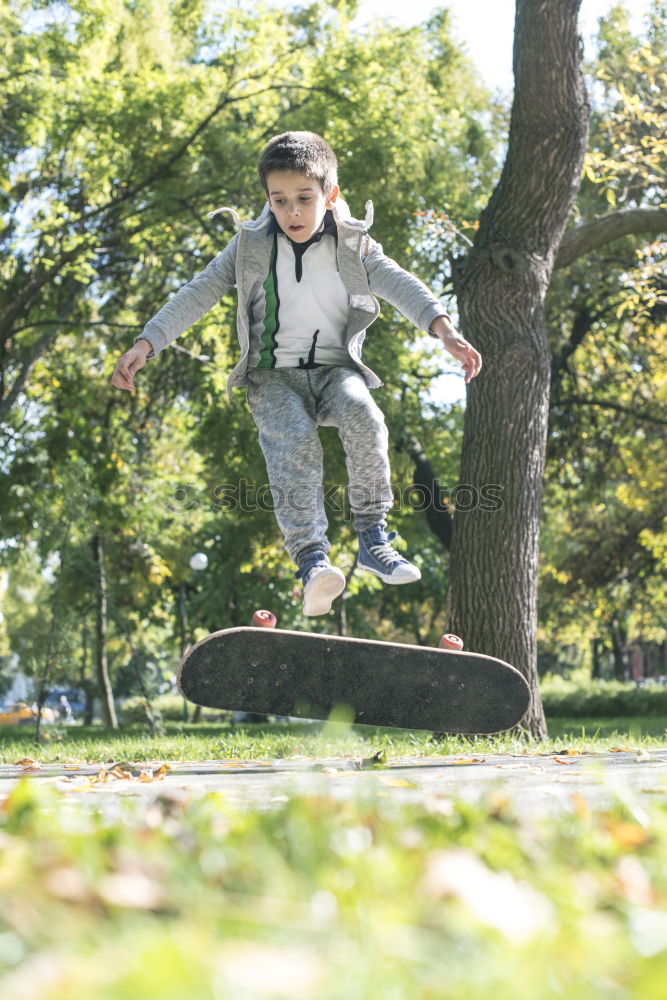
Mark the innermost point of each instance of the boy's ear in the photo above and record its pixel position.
(333, 194)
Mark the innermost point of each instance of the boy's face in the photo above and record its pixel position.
(298, 203)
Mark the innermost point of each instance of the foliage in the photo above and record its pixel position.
(188, 896)
(603, 574)
(125, 123)
(582, 698)
(169, 706)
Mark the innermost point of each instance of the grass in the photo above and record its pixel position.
(210, 741)
(327, 900)
(323, 899)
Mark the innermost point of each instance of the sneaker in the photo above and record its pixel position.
(377, 555)
(322, 583)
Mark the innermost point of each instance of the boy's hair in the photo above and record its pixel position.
(305, 152)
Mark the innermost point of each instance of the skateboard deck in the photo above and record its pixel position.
(307, 675)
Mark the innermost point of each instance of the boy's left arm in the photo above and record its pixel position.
(457, 346)
(416, 302)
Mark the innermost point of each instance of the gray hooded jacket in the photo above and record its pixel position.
(363, 267)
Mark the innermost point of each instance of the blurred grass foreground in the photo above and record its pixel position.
(322, 899)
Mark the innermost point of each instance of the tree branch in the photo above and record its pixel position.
(583, 322)
(437, 513)
(32, 286)
(606, 228)
(8, 401)
(82, 326)
(605, 404)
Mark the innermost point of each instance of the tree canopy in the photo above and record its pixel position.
(124, 125)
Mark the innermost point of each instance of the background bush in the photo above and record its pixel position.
(581, 697)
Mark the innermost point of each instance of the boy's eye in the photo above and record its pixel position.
(305, 198)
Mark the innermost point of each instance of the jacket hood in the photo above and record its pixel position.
(341, 213)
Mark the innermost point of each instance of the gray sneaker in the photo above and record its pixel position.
(322, 583)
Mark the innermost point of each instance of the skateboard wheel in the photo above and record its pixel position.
(449, 641)
(264, 619)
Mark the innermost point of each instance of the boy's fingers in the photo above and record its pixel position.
(126, 366)
(122, 377)
(472, 364)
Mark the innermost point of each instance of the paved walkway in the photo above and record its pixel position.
(537, 784)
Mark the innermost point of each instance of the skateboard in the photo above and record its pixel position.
(266, 670)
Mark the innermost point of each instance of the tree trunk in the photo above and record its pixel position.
(85, 683)
(109, 717)
(54, 629)
(596, 657)
(501, 286)
(619, 639)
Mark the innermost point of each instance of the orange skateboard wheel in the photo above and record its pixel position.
(449, 641)
(264, 619)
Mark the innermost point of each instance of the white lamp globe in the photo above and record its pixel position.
(199, 561)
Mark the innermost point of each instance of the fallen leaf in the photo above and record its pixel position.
(633, 882)
(149, 775)
(378, 759)
(123, 765)
(132, 890)
(628, 835)
(119, 774)
(558, 760)
(581, 807)
(496, 898)
(265, 970)
(68, 884)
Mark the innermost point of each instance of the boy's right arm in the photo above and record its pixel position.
(187, 306)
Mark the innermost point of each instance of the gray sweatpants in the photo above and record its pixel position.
(288, 404)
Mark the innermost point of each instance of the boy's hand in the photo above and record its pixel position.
(129, 363)
(457, 346)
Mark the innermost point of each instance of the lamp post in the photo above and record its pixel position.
(197, 562)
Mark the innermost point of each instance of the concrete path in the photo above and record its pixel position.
(537, 784)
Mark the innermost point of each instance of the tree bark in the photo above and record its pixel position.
(109, 717)
(501, 286)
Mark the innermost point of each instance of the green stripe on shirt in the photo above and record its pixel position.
(267, 354)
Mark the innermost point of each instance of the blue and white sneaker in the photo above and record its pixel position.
(378, 556)
(322, 583)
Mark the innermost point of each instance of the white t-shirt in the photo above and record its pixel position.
(305, 306)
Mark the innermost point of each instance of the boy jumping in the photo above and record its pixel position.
(306, 275)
